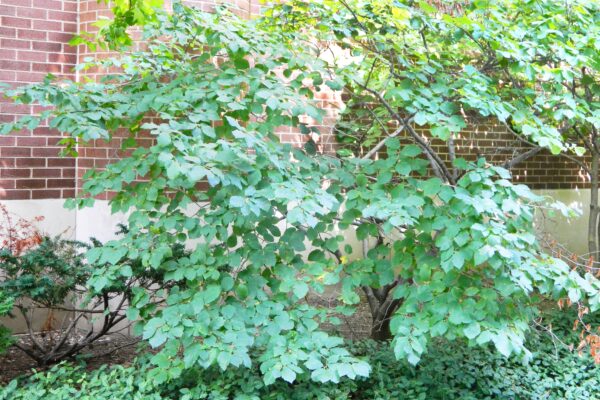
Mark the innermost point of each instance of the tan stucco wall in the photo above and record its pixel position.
(570, 232)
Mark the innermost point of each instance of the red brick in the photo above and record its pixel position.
(46, 194)
(7, 32)
(31, 56)
(61, 183)
(16, 22)
(15, 152)
(47, 25)
(68, 193)
(70, 5)
(7, 141)
(53, 141)
(85, 163)
(61, 162)
(69, 27)
(30, 183)
(15, 173)
(7, 54)
(31, 162)
(59, 37)
(48, 4)
(62, 15)
(45, 131)
(11, 108)
(7, 76)
(7, 184)
(32, 13)
(62, 58)
(29, 34)
(7, 10)
(15, 194)
(7, 162)
(48, 47)
(94, 153)
(30, 76)
(100, 163)
(52, 68)
(47, 173)
(22, 3)
(15, 44)
(68, 172)
(31, 141)
(47, 152)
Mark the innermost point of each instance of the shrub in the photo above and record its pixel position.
(451, 370)
(52, 276)
(6, 304)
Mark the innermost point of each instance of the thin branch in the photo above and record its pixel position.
(379, 145)
(370, 299)
(421, 141)
(521, 157)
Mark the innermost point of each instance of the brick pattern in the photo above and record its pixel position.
(34, 37)
(492, 140)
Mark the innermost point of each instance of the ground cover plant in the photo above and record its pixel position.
(449, 250)
(448, 371)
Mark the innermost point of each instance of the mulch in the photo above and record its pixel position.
(109, 350)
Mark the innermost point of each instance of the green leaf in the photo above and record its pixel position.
(300, 289)
(237, 201)
(472, 330)
(288, 375)
(211, 293)
(227, 283)
(502, 343)
(431, 186)
(441, 132)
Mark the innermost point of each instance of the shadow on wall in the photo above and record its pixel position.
(571, 233)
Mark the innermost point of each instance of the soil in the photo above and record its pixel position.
(111, 350)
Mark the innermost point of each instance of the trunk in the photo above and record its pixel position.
(380, 328)
(594, 211)
(381, 304)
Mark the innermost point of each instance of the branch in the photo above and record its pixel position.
(562, 154)
(522, 157)
(370, 299)
(36, 344)
(437, 162)
(379, 145)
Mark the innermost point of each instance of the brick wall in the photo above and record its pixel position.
(493, 141)
(34, 37)
(33, 43)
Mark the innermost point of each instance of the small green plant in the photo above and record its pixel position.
(46, 274)
(6, 305)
